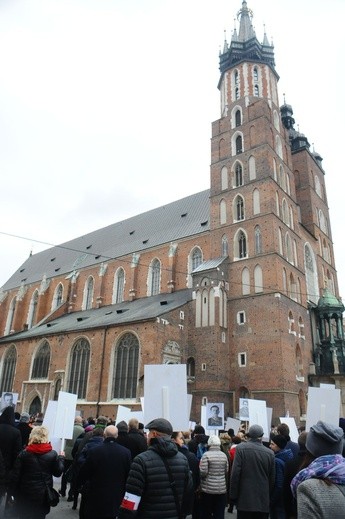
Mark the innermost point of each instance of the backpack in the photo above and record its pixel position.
(202, 448)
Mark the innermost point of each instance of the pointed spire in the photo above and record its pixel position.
(234, 36)
(226, 46)
(265, 42)
(245, 16)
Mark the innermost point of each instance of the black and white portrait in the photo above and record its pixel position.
(215, 416)
(8, 399)
(244, 409)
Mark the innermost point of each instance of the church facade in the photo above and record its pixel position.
(237, 282)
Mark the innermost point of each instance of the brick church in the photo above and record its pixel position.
(237, 282)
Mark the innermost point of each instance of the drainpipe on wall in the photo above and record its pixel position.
(101, 373)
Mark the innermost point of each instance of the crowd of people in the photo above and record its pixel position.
(127, 470)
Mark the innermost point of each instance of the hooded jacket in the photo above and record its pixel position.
(149, 483)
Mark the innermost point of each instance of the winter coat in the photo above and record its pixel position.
(94, 441)
(214, 467)
(317, 500)
(149, 482)
(77, 431)
(280, 458)
(31, 471)
(252, 477)
(198, 438)
(137, 442)
(105, 471)
(25, 431)
(193, 463)
(2, 474)
(10, 438)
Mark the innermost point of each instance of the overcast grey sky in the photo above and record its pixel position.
(106, 107)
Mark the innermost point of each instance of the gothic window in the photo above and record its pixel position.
(322, 222)
(279, 148)
(288, 249)
(256, 90)
(245, 282)
(258, 281)
(255, 74)
(280, 239)
(318, 186)
(258, 240)
(285, 213)
(239, 146)
(301, 328)
(41, 363)
(238, 175)
(295, 253)
(88, 293)
(284, 280)
(239, 208)
(274, 169)
(8, 369)
(119, 284)
(311, 274)
(224, 178)
(277, 204)
(282, 178)
(79, 368)
(154, 277)
(204, 308)
(222, 212)
(252, 168)
(196, 258)
(10, 316)
(288, 189)
(126, 361)
(190, 367)
(256, 201)
(291, 218)
(222, 149)
(276, 120)
(291, 322)
(299, 363)
(237, 93)
(33, 309)
(242, 245)
(238, 118)
(58, 296)
(225, 246)
(292, 288)
(236, 78)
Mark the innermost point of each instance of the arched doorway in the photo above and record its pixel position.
(35, 406)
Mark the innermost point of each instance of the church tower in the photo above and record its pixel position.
(269, 215)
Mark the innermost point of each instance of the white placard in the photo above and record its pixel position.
(258, 415)
(123, 414)
(65, 415)
(244, 409)
(290, 422)
(8, 399)
(327, 386)
(232, 423)
(323, 404)
(203, 422)
(215, 415)
(269, 412)
(189, 403)
(50, 417)
(165, 393)
(139, 415)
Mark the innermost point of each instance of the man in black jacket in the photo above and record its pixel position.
(159, 484)
(104, 475)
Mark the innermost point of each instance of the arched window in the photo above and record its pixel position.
(279, 148)
(238, 118)
(190, 367)
(256, 90)
(119, 285)
(245, 282)
(33, 309)
(196, 258)
(280, 239)
(258, 281)
(285, 213)
(58, 296)
(284, 280)
(41, 363)
(292, 288)
(291, 322)
(222, 149)
(239, 145)
(242, 245)
(154, 277)
(224, 178)
(275, 170)
(126, 361)
(8, 369)
(322, 222)
(237, 93)
(258, 240)
(10, 316)
(238, 175)
(236, 76)
(79, 368)
(225, 246)
(311, 274)
(222, 212)
(239, 208)
(288, 249)
(276, 120)
(88, 293)
(255, 74)
(256, 201)
(252, 168)
(318, 186)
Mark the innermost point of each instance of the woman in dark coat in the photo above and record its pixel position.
(33, 470)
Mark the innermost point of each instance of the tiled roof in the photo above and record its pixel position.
(208, 265)
(182, 218)
(142, 309)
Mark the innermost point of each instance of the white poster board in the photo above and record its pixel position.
(50, 417)
(327, 386)
(65, 414)
(232, 423)
(290, 422)
(244, 409)
(203, 422)
(269, 412)
(139, 415)
(215, 416)
(8, 399)
(258, 415)
(165, 393)
(323, 404)
(123, 414)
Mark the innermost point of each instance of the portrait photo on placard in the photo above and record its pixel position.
(244, 409)
(8, 399)
(215, 415)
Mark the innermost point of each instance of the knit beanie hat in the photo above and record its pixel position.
(280, 441)
(213, 440)
(324, 438)
(198, 429)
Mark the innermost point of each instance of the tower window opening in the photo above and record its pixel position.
(239, 147)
